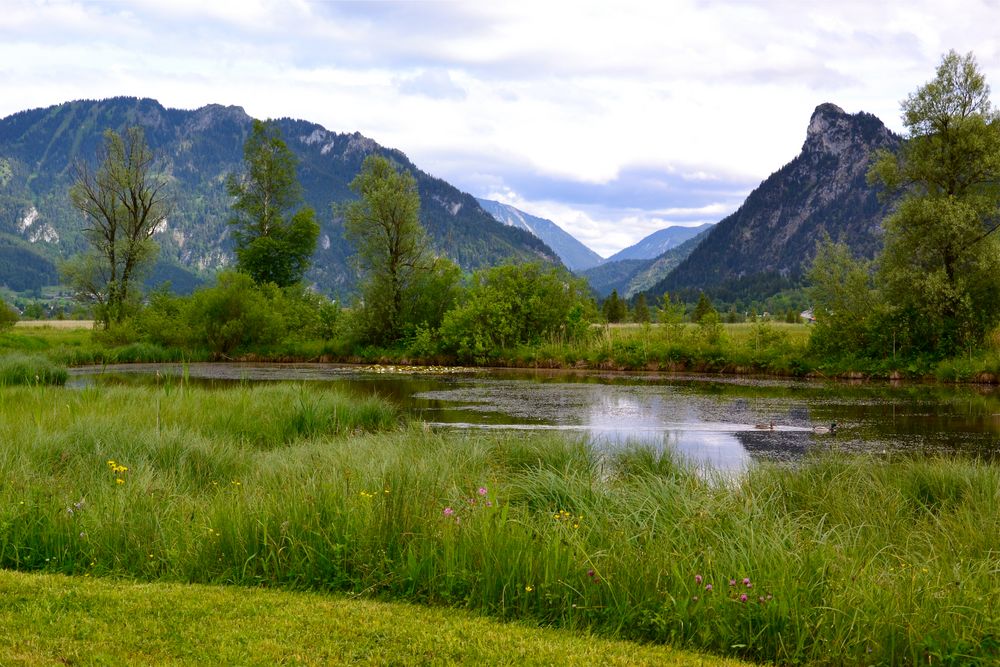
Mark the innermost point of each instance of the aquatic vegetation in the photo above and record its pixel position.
(30, 369)
(840, 560)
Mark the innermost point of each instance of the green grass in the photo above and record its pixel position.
(54, 620)
(772, 348)
(851, 559)
(17, 368)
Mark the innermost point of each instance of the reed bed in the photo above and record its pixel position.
(836, 561)
(30, 369)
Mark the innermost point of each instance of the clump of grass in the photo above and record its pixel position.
(838, 561)
(30, 369)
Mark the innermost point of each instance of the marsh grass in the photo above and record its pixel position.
(850, 560)
(30, 369)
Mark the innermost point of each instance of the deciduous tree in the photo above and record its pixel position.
(275, 235)
(393, 253)
(940, 268)
(123, 202)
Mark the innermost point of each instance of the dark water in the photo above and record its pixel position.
(711, 420)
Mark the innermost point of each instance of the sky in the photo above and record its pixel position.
(612, 119)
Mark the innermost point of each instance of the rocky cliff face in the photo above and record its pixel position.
(198, 149)
(772, 237)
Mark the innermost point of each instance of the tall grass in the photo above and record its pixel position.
(848, 560)
(31, 369)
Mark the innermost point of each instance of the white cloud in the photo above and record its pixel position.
(571, 90)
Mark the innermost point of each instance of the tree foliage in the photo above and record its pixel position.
(237, 314)
(940, 268)
(614, 308)
(640, 311)
(845, 302)
(516, 304)
(703, 308)
(393, 254)
(8, 316)
(275, 236)
(123, 202)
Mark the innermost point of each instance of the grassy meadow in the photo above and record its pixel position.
(837, 561)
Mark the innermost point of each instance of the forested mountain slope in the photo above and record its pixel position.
(198, 150)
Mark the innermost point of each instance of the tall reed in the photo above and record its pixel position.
(840, 560)
(30, 369)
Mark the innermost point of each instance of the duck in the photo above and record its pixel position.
(832, 428)
(765, 427)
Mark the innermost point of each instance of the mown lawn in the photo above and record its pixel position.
(58, 620)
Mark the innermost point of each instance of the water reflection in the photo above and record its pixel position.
(710, 421)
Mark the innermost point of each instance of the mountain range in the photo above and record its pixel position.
(629, 271)
(198, 149)
(763, 247)
(659, 242)
(575, 255)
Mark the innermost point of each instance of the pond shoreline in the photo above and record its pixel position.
(984, 378)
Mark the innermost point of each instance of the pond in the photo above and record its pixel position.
(723, 422)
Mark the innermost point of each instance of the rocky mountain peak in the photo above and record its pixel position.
(830, 130)
(212, 114)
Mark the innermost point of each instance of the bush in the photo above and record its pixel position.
(515, 305)
(165, 319)
(8, 316)
(236, 314)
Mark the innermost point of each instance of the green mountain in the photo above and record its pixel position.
(616, 275)
(198, 149)
(575, 255)
(631, 276)
(767, 244)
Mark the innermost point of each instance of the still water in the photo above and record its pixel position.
(723, 422)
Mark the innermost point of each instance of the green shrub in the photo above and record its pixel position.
(513, 305)
(8, 316)
(235, 314)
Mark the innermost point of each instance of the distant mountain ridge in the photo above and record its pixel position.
(631, 276)
(199, 148)
(574, 254)
(659, 242)
(769, 241)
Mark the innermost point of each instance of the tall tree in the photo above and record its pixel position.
(123, 203)
(704, 307)
(640, 312)
(614, 308)
(275, 236)
(392, 249)
(940, 269)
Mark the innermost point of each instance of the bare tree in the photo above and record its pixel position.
(123, 202)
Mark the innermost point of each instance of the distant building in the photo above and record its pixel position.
(807, 316)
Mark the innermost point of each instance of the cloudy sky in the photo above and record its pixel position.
(612, 119)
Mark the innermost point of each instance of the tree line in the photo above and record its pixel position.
(407, 291)
(934, 290)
